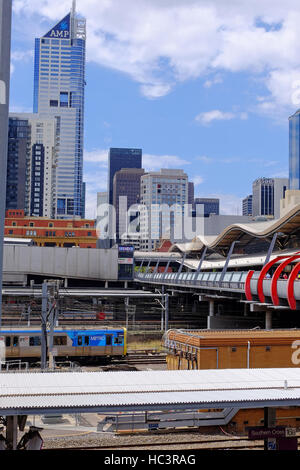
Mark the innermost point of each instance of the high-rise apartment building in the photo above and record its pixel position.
(191, 193)
(159, 192)
(17, 161)
(247, 205)
(126, 193)
(294, 151)
(267, 193)
(31, 169)
(59, 82)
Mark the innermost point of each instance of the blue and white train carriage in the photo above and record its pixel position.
(68, 343)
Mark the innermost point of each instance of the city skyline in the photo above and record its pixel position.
(176, 119)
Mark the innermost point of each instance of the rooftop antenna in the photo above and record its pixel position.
(73, 18)
(73, 7)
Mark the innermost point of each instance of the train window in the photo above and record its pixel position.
(79, 340)
(86, 340)
(34, 341)
(108, 340)
(118, 340)
(15, 341)
(7, 341)
(60, 340)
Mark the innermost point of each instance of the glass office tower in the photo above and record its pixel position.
(294, 142)
(17, 162)
(118, 159)
(59, 81)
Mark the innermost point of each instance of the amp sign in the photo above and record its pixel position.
(61, 30)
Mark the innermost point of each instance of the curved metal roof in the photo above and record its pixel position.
(244, 233)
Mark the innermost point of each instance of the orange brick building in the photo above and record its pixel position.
(232, 349)
(51, 232)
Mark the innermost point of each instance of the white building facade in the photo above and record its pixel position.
(164, 195)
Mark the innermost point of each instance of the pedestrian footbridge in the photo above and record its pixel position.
(267, 286)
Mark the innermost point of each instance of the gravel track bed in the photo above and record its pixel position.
(181, 440)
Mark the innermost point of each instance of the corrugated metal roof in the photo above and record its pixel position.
(142, 390)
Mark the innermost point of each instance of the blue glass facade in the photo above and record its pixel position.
(294, 145)
(18, 153)
(59, 83)
(210, 206)
(119, 159)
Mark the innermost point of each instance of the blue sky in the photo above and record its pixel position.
(205, 86)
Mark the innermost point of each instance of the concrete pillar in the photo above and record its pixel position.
(66, 283)
(211, 308)
(126, 285)
(211, 311)
(268, 320)
(106, 284)
(12, 432)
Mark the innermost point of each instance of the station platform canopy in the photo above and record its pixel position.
(287, 228)
(106, 392)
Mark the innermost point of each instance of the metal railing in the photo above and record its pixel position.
(232, 280)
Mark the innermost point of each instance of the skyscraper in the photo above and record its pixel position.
(159, 192)
(247, 205)
(191, 193)
(294, 151)
(17, 159)
(207, 206)
(126, 193)
(31, 172)
(267, 193)
(59, 81)
(118, 159)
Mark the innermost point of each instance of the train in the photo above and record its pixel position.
(69, 344)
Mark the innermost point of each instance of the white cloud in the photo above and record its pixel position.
(213, 81)
(177, 40)
(197, 180)
(205, 159)
(96, 156)
(217, 115)
(20, 56)
(156, 162)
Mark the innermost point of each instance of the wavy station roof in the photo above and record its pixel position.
(285, 227)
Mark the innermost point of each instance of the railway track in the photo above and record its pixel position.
(140, 358)
(215, 444)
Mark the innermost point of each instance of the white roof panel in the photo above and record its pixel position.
(152, 389)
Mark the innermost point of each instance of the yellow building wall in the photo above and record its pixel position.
(277, 356)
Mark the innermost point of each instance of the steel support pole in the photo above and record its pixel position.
(271, 248)
(162, 308)
(269, 421)
(181, 266)
(44, 326)
(224, 271)
(127, 312)
(156, 267)
(141, 266)
(5, 44)
(201, 262)
(147, 268)
(167, 267)
(166, 312)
